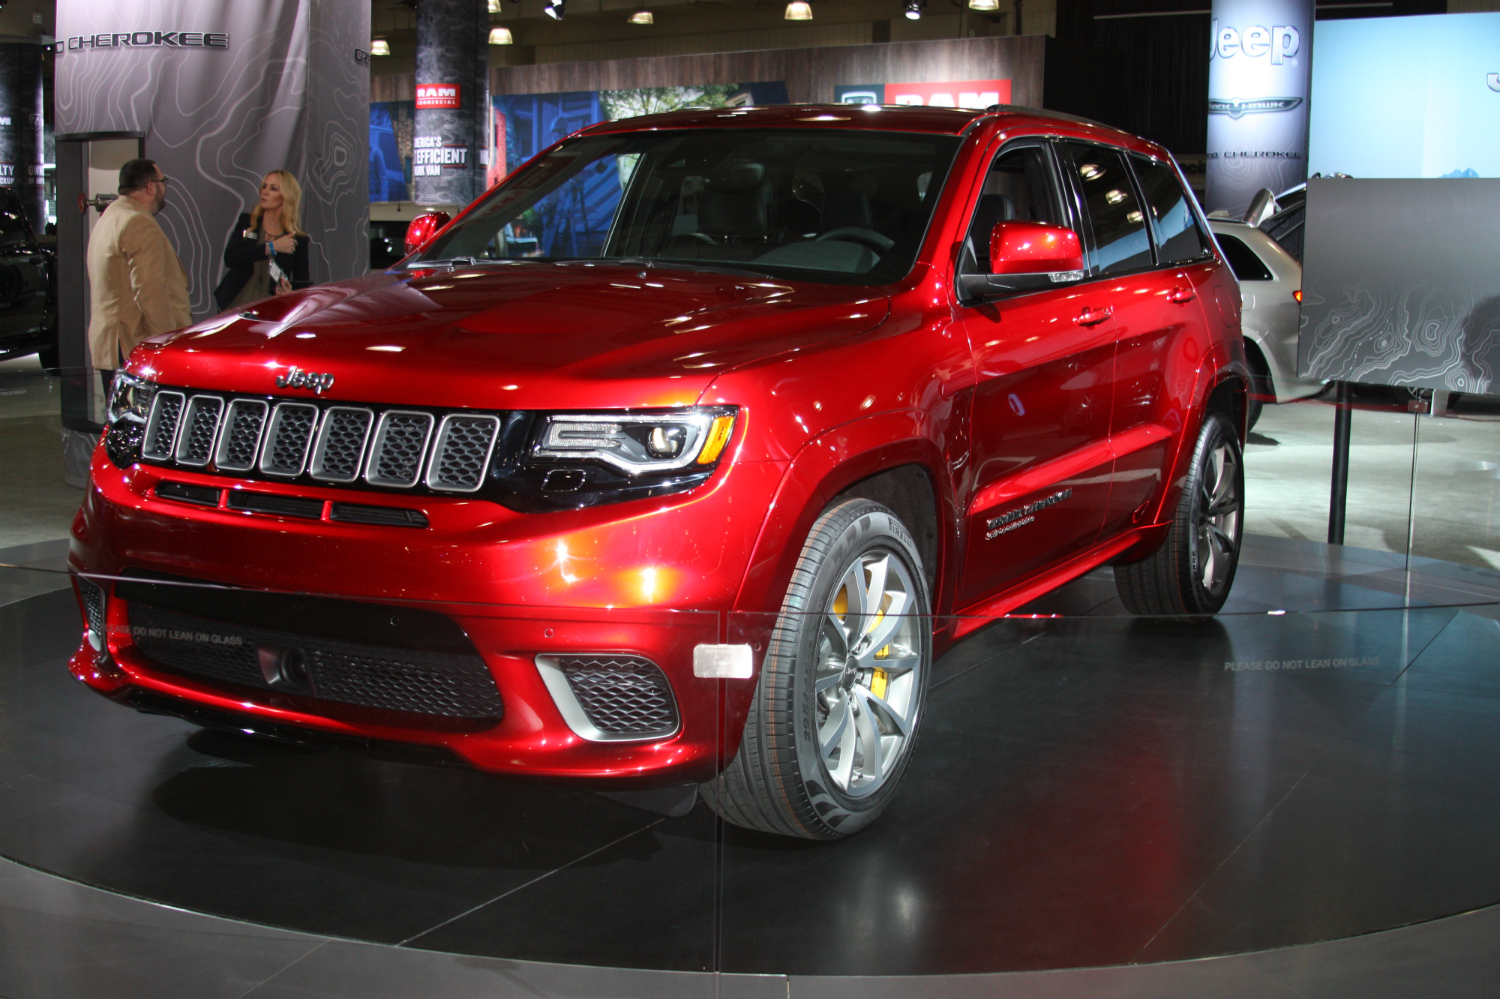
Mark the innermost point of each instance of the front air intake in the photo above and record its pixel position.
(611, 698)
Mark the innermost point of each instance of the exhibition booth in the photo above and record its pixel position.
(1298, 793)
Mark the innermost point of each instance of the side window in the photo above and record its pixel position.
(1018, 186)
(1121, 242)
(1242, 260)
(1177, 234)
(1286, 229)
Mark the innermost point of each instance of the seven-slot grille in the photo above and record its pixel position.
(334, 444)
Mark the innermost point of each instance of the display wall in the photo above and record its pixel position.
(224, 93)
(1400, 284)
(21, 149)
(1034, 70)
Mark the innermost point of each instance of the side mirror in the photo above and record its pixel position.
(1026, 256)
(1034, 248)
(423, 228)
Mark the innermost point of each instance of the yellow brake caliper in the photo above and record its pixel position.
(879, 679)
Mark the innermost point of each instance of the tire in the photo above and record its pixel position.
(839, 700)
(1261, 389)
(1190, 575)
(47, 355)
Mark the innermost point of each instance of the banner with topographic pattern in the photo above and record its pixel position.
(225, 92)
(1400, 283)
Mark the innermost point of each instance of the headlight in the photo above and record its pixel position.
(634, 443)
(129, 404)
(130, 398)
(574, 460)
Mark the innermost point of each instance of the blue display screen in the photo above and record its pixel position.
(1407, 97)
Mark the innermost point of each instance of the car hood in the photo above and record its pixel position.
(507, 336)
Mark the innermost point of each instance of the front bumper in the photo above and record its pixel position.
(644, 581)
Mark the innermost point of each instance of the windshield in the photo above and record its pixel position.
(839, 206)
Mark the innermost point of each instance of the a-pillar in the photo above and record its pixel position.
(450, 145)
(21, 152)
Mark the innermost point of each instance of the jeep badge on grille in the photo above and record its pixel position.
(297, 378)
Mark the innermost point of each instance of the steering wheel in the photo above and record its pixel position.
(879, 242)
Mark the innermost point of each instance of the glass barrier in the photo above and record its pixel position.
(850, 788)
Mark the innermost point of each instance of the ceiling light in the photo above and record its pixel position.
(380, 47)
(642, 16)
(913, 9)
(984, 4)
(798, 10)
(501, 36)
(554, 9)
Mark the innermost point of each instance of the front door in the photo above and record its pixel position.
(1041, 457)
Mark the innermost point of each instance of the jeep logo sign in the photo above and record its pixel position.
(1281, 42)
(1259, 78)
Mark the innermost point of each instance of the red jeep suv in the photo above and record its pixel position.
(678, 457)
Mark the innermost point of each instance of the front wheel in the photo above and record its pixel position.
(1190, 575)
(840, 695)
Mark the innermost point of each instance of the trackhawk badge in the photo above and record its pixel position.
(1238, 109)
(1007, 522)
(297, 378)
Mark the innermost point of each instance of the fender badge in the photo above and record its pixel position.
(297, 378)
(1020, 517)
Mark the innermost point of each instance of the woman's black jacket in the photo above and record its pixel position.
(243, 253)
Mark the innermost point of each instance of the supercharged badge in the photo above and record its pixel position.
(1021, 516)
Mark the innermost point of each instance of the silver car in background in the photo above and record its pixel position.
(1270, 288)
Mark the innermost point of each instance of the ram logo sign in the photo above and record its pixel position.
(438, 95)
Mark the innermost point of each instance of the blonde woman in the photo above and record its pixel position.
(267, 253)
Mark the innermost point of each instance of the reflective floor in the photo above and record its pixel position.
(1089, 790)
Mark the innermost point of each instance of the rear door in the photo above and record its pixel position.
(1159, 302)
(1041, 411)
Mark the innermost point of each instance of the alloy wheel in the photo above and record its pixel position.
(1218, 527)
(869, 672)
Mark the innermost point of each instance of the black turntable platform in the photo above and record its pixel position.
(1319, 762)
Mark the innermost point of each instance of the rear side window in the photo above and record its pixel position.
(1121, 242)
(1177, 234)
(1286, 229)
(1242, 260)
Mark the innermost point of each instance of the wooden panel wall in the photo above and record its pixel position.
(810, 74)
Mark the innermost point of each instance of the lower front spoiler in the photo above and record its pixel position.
(153, 702)
(595, 766)
(673, 800)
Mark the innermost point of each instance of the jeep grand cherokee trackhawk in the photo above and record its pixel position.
(855, 381)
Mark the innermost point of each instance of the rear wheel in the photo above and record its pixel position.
(1191, 573)
(48, 353)
(840, 695)
(1261, 389)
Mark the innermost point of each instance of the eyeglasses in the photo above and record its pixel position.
(160, 180)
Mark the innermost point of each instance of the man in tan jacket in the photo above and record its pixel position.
(137, 287)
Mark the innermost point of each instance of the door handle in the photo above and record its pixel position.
(1093, 317)
(1180, 294)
